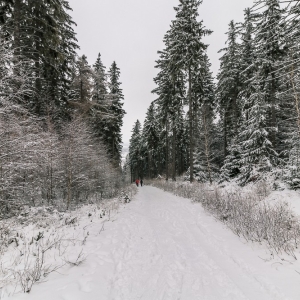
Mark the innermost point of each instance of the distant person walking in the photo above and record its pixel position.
(141, 182)
(137, 182)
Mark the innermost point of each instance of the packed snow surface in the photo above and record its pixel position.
(162, 247)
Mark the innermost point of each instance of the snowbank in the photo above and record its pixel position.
(41, 241)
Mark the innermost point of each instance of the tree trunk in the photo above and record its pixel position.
(37, 36)
(51, 180)
(235, 112)
(207, 145)
(81, 91)
(167, 148)
(174, 153)
(191, 127)
(113, 150)
(17, 30)
(273, 112)
(149, 164)
(38, 85)
(297, 107)
(181, 162)
(225, 134)
(69, 188)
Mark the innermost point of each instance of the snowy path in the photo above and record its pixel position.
(162, 247)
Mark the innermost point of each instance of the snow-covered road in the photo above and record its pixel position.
(162, 247)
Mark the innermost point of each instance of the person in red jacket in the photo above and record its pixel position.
(137, 182)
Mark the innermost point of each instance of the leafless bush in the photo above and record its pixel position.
(246, 215)
(262, 188)
(39, 167)
(78, 260)
(29, 264)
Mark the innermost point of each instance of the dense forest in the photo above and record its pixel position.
(243, 125)
(60, 118)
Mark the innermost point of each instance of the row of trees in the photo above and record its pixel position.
(60, 119)
(244, 126)
(99, 97)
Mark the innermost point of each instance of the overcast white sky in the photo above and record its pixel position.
(131, 32)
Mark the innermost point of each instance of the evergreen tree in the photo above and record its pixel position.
(113, 124)
(164, 91)
(268, 55)
(151, 139)
(182, 141)
(99, 80)
(43, 32)
(289, 136)
(241, 72)
(204, 158)
(134, 151)
(101, 102)
(247, 57)
(82, 83)
(229, 87)
(186, 51)
(257, 153)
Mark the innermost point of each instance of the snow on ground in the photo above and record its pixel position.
(163, 247)
(289, 196)
(267, 194)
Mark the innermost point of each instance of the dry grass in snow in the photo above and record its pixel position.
(42, 240)
(246, 212)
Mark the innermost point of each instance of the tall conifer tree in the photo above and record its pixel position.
(113, 126)
(186, 51)
(229, 87)
(135, 151)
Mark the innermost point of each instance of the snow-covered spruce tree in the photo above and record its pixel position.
(269, 53)
(292, 168)
(164, 90)
(205, 133)
(228, 88)
(99, 80)
(247, 57)
(85, 91)
(243, 73)
(100, 106)
(43, 32)
(81, 88)
(186, 51)
(151, 139)
(113, 123)
(170, 91)
(126, 171)
(182, 143)
(175, 81)
(293, 38)
(257, 153)
(135, 151)
(176, 113)
(289, 98)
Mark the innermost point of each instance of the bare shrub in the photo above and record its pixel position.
(246, 215)
(78, 260)
(262, 188)
(28, 263)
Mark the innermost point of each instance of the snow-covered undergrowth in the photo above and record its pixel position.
(245, 212)
(42, 240)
